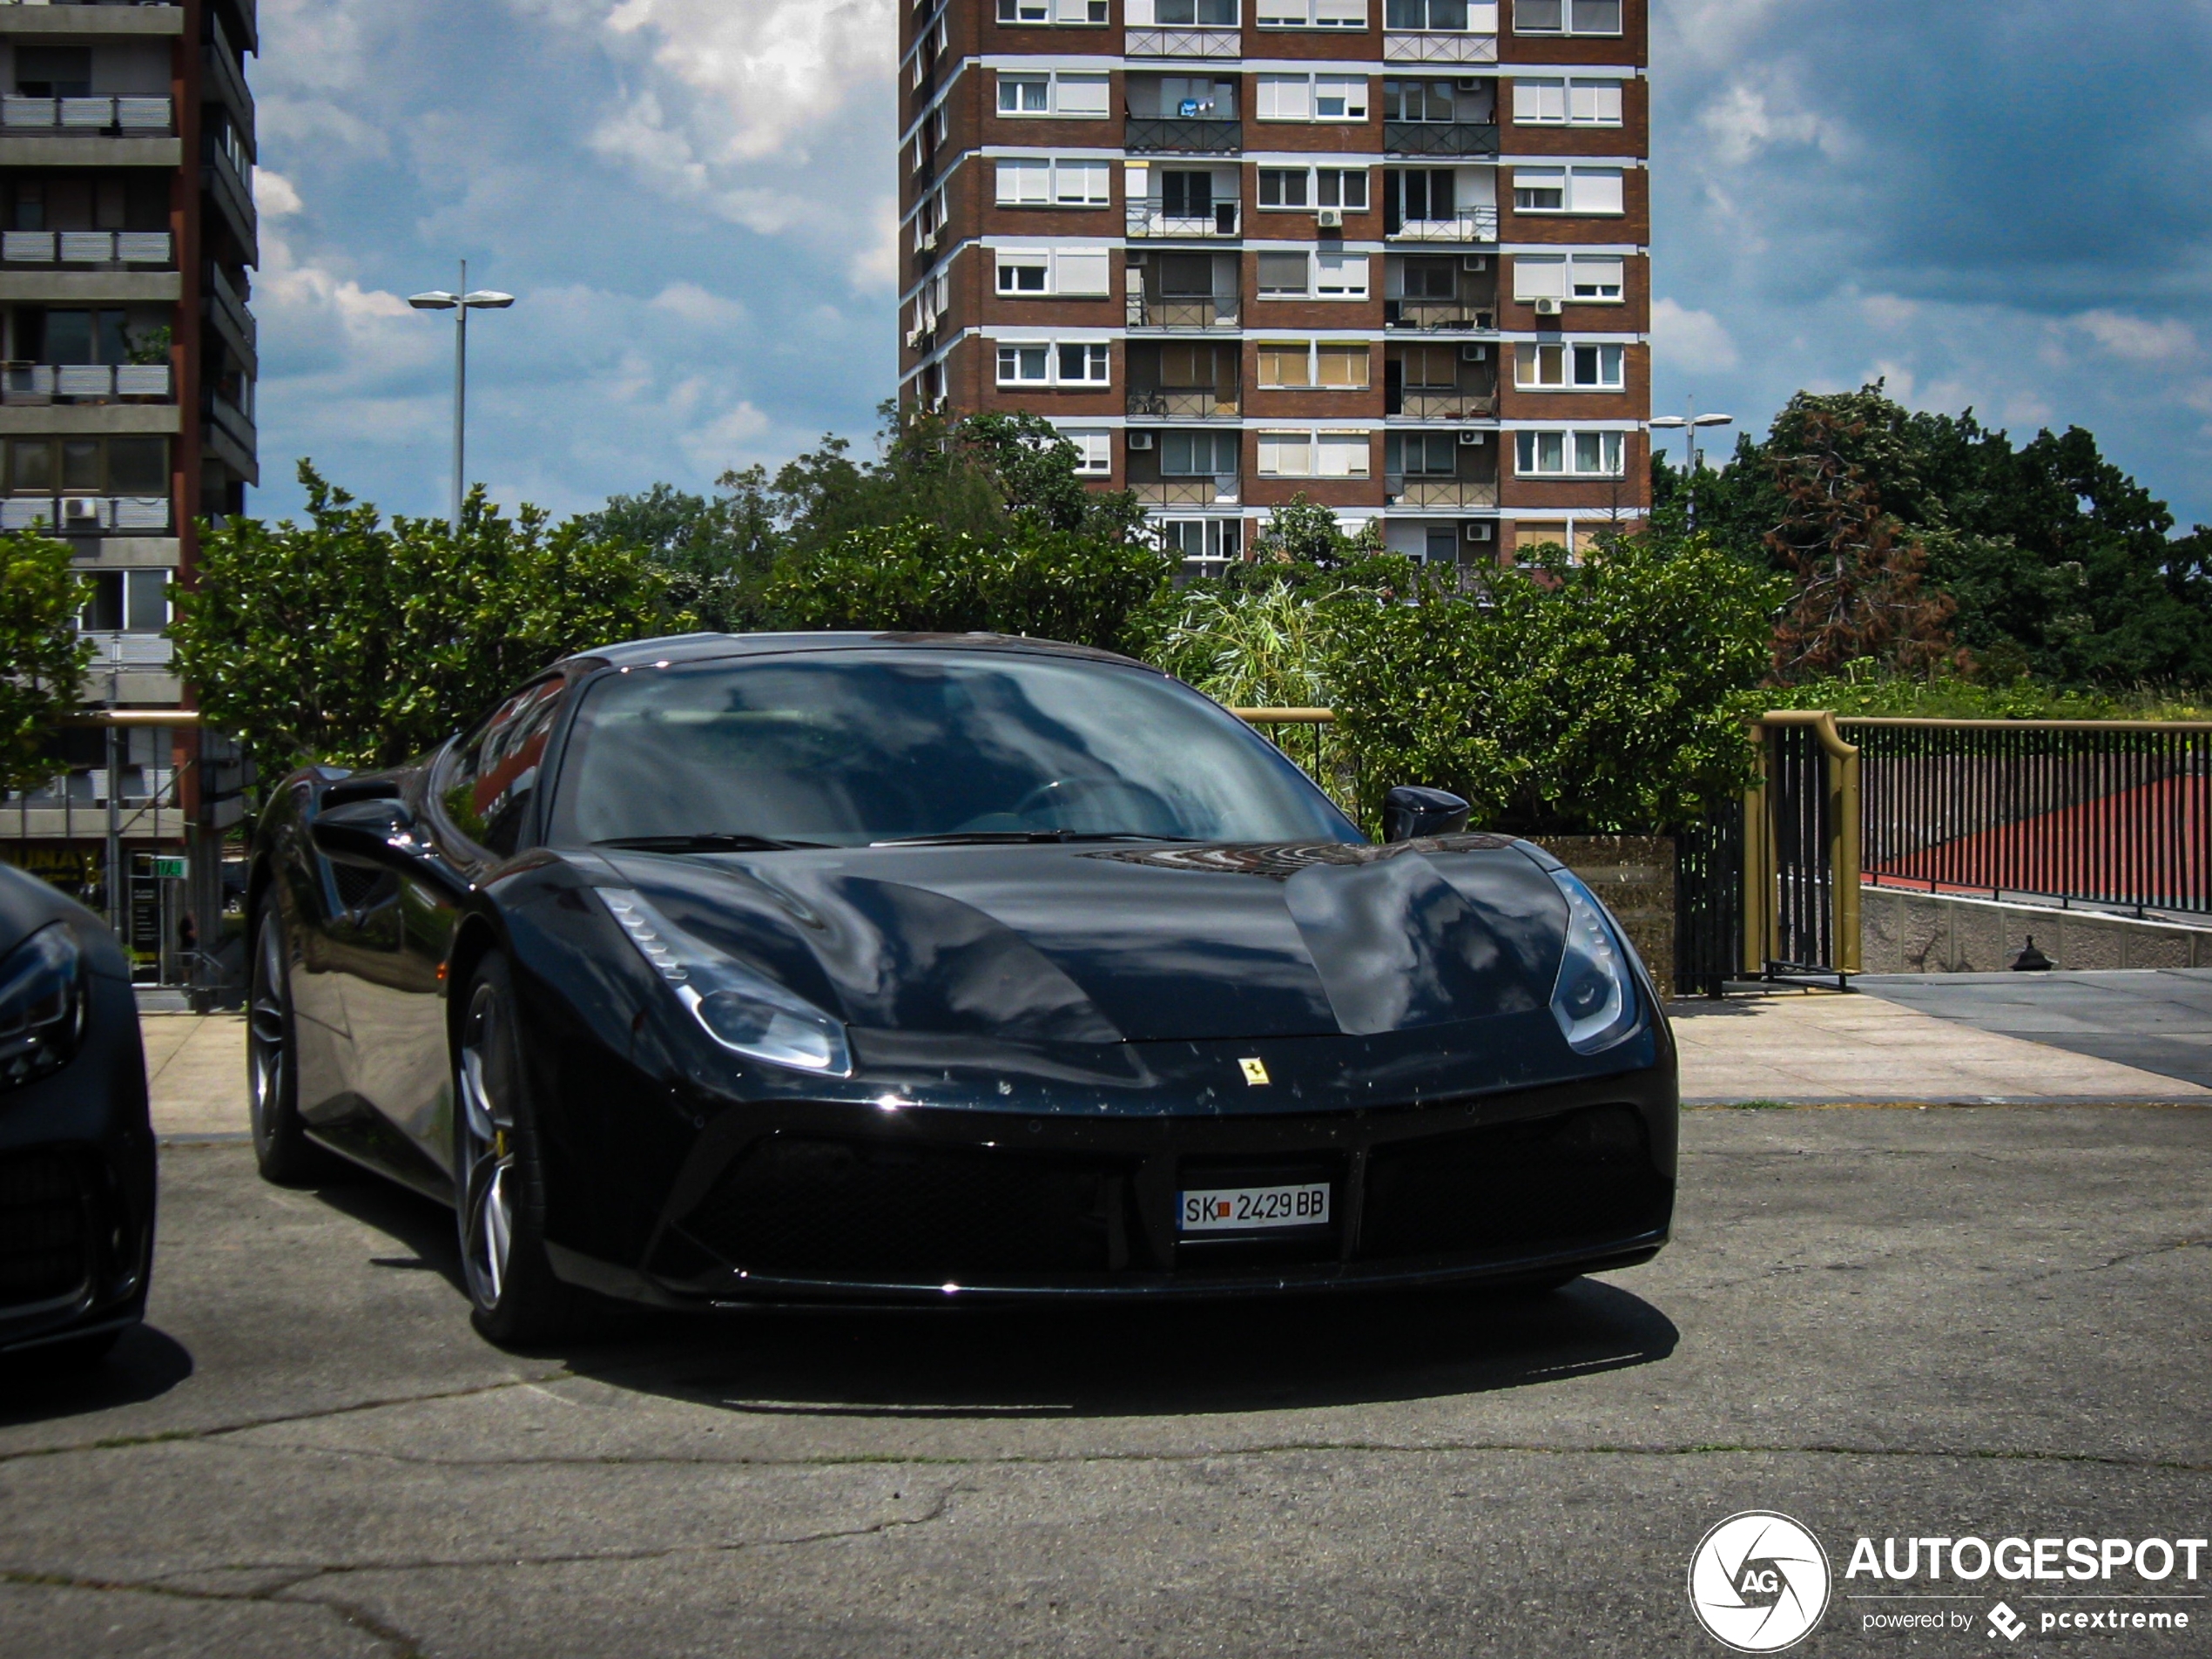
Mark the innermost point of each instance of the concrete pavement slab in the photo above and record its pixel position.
(2155, 1020)
(196, 1073)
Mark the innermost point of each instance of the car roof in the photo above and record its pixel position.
(703, 647)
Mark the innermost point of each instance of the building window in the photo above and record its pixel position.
(1197, 454)
(1071, 273)
(1341, 187)
(1586, 277)
(1312, 14)
(1342, 368)
(1441, 16)
(1341, 455)
(1283, 276)
(1568, 455)
(1567, 190)
(1186, 14)
(1283, 188)
(1024, 273)
(1285, 363)
(1211, 539)
(1094, 451)
(1293, 187)
(1025, 365)
(126, 602)
(1286, 454)
(1328, 276)
(1421, 455)
(1436, 101)
(1081, 184)
(1567, 16)
(1313, 455)
(1082, 365)
(1565, 368)
(1298, 365)
(1420, 194)
(1188, 98)
(1048, 364)
(1081, 97)
(1312, 98)
(1052, 11)
(1036, 181)
(1565, 103)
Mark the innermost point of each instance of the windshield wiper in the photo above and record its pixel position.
(1017, 838)
(706, 841)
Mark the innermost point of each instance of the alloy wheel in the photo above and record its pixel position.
(487, 1149)
(265, 1030)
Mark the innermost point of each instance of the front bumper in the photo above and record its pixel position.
(815, 1202)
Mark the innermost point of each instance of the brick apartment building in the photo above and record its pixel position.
(127, 238)
(1392, 254)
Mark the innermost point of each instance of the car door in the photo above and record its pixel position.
(478, 804)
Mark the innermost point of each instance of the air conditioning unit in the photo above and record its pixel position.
(929, 242)
(1549, 308)
(1469, 440)
(1478, 529)
(1329, 219)
(1486, 318)
(1140, 441)
(1468, 84)
(915, 337)
(1474, 261)
(1474, 353)
(80, 513)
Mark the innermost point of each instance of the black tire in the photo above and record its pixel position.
(281, 1148)
(499, 1183)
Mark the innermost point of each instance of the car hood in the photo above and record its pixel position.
(1097, 944)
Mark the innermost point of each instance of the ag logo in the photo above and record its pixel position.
(1758, 1582)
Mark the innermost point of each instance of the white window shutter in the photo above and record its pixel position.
(1595, 103)
(1285, 97)
(1080, 95)
(1080, 271)
(1597, 190)
(1022, 180)
(1538, 276)
(1536, 101)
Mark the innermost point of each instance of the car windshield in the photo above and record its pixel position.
(849, 747)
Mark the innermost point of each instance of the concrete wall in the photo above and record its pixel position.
(1634, 874)
(1902, 932)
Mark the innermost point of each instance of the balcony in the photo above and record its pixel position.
(136, 118)
(1439, 48)
(1150, 218)
(1440, 492)
(1439, 316)
(39, 383)
(1188, 135)
(1478, 225)
(85, 247)
(1441, 137)
(1183, 313)
(1216, 491)
(1183, 43)
(1436, 405)
(92, 515)
(1184, 403)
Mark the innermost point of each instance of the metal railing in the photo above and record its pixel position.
(1176, 311)
(1441, 137)
(38, 384)
(1216, 491)
(1478, 225)
(1439, 316)
(1195, 403)
(2113, 812)
(93, 514)
(1801, 838)
(131, 117)
(85, 247)
(1183, 43)
(1444, 406)
(1441, 492)
(1439, 48)
(1150, 218)
(1184, 134)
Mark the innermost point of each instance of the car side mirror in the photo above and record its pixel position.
(369, 831)
(1410, 811)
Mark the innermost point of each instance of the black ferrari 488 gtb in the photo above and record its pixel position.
(876, 967)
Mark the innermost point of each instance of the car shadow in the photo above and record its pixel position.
(145, 1363)
(1000, 1360)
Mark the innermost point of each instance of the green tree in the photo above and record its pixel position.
(920, 577)
(349, 640)
(45, 656)
(1605, 695)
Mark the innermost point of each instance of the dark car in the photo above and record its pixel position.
(77, 1156)
(720, 968)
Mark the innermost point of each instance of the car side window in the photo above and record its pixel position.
(493, 775)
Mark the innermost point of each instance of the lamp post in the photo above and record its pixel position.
(1690, 422)
(461, 302)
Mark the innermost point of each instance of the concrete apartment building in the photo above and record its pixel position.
(127, 238)
(1392, 254)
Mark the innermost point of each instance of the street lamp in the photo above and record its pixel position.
(1690, 422)
(461, 303)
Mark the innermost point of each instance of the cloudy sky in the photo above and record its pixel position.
(1994, 205)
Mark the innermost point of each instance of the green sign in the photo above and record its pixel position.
(172, 869)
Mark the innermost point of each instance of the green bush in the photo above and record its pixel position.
(44, 659)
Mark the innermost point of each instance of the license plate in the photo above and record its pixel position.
(1250, 1208)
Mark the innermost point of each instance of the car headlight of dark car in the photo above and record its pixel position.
(745, 1012)
(1594, 997)
(42, 1006)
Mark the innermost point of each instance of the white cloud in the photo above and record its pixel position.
(695, 305)
(2137, 341)
(274, 196)
(1889, 310)
(1743, 123)
(1690, 341)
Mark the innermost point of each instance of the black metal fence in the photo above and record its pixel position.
(2108, 813)
(1709, 902)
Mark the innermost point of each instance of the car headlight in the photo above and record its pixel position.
(742, 1010)
(1594, 999)
(42, 1006)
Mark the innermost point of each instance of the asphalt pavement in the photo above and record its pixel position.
(2155, 1020)
(1881, 1322)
